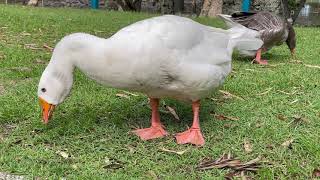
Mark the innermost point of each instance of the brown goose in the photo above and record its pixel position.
(273, 30)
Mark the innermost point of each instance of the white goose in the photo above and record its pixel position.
(166, 56)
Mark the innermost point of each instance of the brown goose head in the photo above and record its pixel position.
(291, 40)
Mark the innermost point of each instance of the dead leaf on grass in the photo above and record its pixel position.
(32, 47)
(287, 143)
(75, 167)
(223, 117)
(265, 92)
(299, 120)
(247, 146)
(1, 89)
(131, 94)
(296, 62)
(236, 175)
(122, 95)
(173, 151)
(7, 176)
(19, 69)
(227, 161)
(281, 117)
(47, 47)
(172, 111)
(39, 61)
(228, 95)
(283, 92)
(312, 66)
(252, 70)
(25, 34)
(294, 101)
(316, 173)
(112, 163)
(2, 56)
(63, 154)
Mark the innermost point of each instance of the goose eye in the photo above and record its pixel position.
(43, 90)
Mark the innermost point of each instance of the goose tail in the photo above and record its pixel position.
(242, 38)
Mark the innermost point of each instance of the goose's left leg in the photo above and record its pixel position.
(156, 130)
(258, 58)
(192, 135)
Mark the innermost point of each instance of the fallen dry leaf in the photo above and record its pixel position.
(292, 93)
(252, 70)
(25, 34)
(294, 101)
(270, 146)
(247, 146)
(19, 69)
(236, 175)
(123, 95)
(47, 47)
(312, 66)
(223, 117)
(63, 154)
(173, 151)
(287, 143)
(112, 164)
(32, 47)
(131, 94)
(173, 112)
(153, 175)
(39, 61)
(1, 89)
(265, 92)
(281, 117)
(227, 161)
(259, 124)
(299, 119)
(228, 94)
(296, 62)
(316, 173)
(75, 167)
(7, 176)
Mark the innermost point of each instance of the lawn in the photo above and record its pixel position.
(89, 136)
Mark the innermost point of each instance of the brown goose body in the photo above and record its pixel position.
(273, 29)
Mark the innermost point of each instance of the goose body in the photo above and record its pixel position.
(273, 30)
(166, 56)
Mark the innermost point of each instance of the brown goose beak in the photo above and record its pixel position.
(47, 110)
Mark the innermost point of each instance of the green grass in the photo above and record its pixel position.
(93, 123)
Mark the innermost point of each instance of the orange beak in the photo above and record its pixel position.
(47, 110)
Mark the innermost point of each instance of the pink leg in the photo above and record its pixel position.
(192, 135)
(258, 58)
(156, 130)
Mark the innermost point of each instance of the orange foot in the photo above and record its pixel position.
(262, 62)
(151, 132)
(192, 136)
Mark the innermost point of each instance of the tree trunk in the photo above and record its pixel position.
(286, 9)
(297, 11)
(129, 5)
(211, 8)
(167, 7)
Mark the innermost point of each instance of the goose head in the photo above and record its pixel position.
(56, 80)
(53, 88)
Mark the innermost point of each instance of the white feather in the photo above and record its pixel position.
(166, 56)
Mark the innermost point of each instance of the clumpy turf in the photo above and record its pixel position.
(91, 129)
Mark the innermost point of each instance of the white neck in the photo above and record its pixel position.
(101, 59)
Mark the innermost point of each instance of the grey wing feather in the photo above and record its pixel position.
(272, 28)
